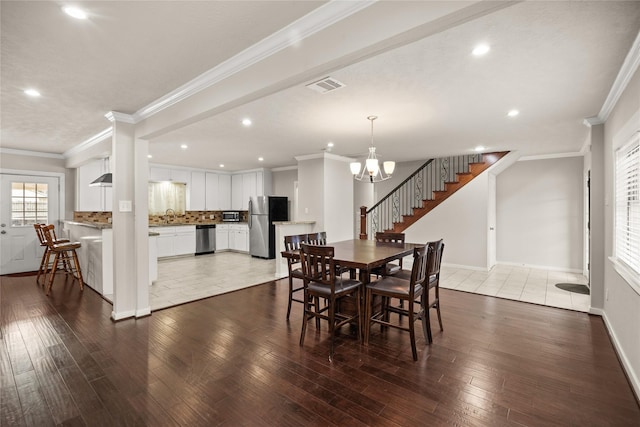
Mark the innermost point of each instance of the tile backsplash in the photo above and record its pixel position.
(189, 217)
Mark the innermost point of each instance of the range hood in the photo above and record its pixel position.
(102, 181)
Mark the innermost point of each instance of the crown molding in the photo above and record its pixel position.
(551, 156)
(315, 21)
(592, 121)
(324, 156)
(114, 116)
(95, 139)
(628, 69)
(31, 153)
(285, 168)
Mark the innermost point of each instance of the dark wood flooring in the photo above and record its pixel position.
(233, 360)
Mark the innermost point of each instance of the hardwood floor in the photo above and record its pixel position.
(234, 360)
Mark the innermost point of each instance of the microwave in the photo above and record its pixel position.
(231, 216)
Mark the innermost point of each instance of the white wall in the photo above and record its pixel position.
(283, 185)
(539, 209)
(462, 222)
(621, 302)
(311, 192)
(45, 164)
(338, 200)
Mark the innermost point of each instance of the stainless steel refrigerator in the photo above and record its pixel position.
(263, 210)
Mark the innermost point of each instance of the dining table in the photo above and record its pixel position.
(364, 256)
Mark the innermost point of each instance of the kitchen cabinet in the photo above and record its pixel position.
(237, 193)
(92, 199)
(224, 192)
(212, 200)
(197, 192)
(174, 241)
(222, 237)
(239, 237)
(167, 174)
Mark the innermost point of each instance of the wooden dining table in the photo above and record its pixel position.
(363, 255)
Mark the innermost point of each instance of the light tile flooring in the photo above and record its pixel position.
(519, 283)
(191, 278)
(187, 279)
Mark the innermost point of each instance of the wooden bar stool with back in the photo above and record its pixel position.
(63, 252)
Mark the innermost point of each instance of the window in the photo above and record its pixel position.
(627, 208)
(29, 203)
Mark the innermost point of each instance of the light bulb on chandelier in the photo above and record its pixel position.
(372, 171)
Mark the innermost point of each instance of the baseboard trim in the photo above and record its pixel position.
(143, 312)
(465, 267)
(122, 315)
(541, 267)
(624, 360)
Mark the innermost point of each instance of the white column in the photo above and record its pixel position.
(130, 233)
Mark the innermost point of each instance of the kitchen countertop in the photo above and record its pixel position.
(292, 222)
(107, 226)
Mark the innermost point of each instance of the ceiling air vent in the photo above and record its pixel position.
(325, 85)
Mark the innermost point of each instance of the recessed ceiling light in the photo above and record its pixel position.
(75, 12)
(479, 148)
(149, 156)
(260, 159)
(513, 113)
(481, 49)
(246, 122)
(221, 165)
(184, 146)
(32, 92)
(330, 144)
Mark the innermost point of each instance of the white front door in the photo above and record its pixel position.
(26, 200)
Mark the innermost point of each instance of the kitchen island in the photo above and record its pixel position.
(96, 254)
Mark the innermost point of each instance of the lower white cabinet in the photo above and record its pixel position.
(232, 237)
(239, 237)
(222, 237)
(178, 240)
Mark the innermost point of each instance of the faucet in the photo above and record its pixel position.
(166, 218)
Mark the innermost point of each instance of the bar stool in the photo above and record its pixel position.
(65, 252)
(44, 263)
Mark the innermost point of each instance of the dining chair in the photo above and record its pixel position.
(320, 238)
(292, 243)
(388, 287)
(44, 262)
(320, 281)
(63, 252)
(433, 274)
(389, 268)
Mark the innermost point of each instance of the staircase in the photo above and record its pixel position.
(434, 182)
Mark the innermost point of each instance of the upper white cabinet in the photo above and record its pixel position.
(93, 199)
(212, 199)
(166, 174)
(197, 192)
(247, 185)
(224, 192)
(237, 192)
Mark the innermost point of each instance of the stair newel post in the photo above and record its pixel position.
(363, 223)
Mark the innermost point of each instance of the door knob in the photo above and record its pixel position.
(3, 225)
(3, 232)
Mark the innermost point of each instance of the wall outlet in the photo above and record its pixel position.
(212, 216)
(202, 217)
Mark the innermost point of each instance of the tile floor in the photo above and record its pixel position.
(191, 278)
(187, 279)
(519, 283)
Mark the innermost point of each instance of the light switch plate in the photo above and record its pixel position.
(125, 205)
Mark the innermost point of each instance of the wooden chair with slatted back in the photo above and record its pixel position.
(320, 281)
(388, 287)
(46, 254)
(65, 254)
(389, 268)
(433, 284)
(292, 243)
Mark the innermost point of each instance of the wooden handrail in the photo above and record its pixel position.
(400, 185)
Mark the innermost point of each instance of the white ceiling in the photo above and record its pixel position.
(553, 61)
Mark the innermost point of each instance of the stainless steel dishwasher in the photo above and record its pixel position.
(205, 239)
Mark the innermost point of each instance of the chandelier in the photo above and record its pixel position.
(371, 171)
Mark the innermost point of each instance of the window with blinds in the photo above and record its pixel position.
(627, 214)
